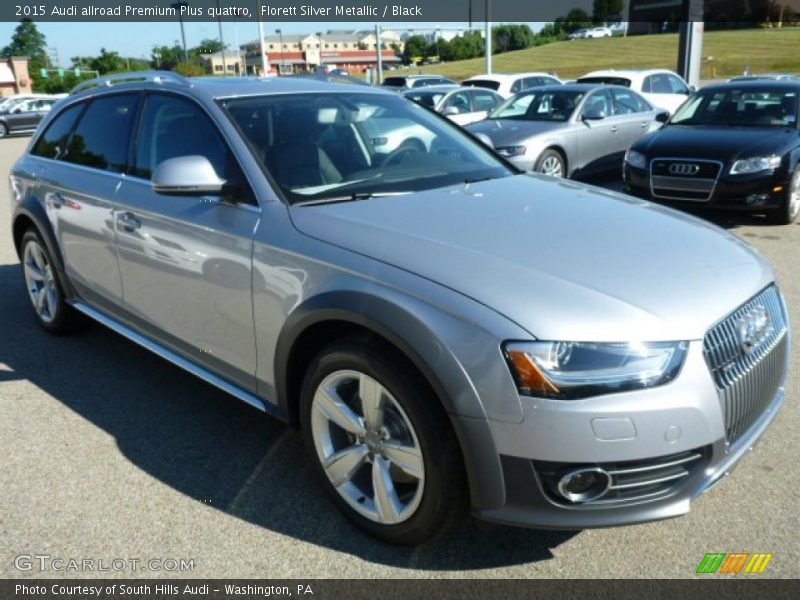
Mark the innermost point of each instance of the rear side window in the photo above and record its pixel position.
(53, 141)
(102, 135)
(483, 83)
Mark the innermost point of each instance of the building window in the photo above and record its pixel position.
(217, 68)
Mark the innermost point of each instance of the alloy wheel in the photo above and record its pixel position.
(367, 447)
(794, 197)
(552, 166)
(40, 281)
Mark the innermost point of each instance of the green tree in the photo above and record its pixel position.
(166, 57)
(572, 21)
(416, 46)
(608, 12)
(29, 41)
(206, 46)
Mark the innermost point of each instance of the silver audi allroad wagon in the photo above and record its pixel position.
(446, 330)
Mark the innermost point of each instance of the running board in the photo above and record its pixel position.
(178, 360)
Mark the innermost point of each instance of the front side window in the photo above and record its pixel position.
(101, 138)
(485, 100)
(337, 147)
(53, 141)
(676, 85)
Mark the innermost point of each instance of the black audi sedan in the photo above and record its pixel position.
(729, 146)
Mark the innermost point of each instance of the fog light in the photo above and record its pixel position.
(583, 485)
(756, 199)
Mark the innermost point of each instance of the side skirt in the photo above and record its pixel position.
(179, 361)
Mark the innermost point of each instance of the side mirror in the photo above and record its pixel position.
(186, 176)
(692, 89)
(662, 117)
(449, 111)
(594, 114)
(485, 139)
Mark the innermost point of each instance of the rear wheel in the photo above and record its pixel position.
(3, 130)
(790, 209)
(383, 446)
(551, 163)
(44, 289)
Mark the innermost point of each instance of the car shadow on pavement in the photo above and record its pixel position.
(217, 450)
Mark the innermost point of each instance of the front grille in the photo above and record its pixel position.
(697, 185)
(631, 481)
(747, 379)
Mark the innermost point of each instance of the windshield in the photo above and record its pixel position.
(483, 83)
(606, 80)
(336, 147)
(750, 106)
(539, 105)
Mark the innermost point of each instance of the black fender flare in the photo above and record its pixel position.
(386, 319)
(32, 210)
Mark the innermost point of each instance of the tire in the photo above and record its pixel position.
(3, 130)
(551, 162)
(789, 211)
(43, 286)
(399, 470)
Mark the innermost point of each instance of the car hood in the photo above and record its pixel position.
(563, 260)
(718, 143)
(505, 132)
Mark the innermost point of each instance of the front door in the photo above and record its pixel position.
(186, 261)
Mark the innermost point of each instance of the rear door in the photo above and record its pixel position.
(83, 154)
(186, 261)
(634, 116)
(599, 139)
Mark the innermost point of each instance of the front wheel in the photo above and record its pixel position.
(787, 213)
(551, 163)
(3, 130)
(382, 444)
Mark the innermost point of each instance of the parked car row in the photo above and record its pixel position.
(733, 145)
(22, 113)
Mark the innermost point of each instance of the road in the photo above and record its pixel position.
(111, 453)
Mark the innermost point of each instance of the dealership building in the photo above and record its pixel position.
(14, 77)
(353, 51)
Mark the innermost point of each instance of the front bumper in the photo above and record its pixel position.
(760, 191)
(661, 446)
(529, 505)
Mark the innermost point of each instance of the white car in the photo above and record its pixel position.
(460, 105)
(662, 88)
(598, 32)
(508, 84)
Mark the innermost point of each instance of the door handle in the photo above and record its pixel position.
(614, 129)
(54, 199)
(128, 222)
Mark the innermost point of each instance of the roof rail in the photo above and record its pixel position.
(131, 77)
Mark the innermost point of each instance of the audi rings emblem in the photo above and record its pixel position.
(684, 169)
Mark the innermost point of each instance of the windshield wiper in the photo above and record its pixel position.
(348, 198)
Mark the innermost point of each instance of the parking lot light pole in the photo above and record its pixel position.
(262, 48)
(222, 42)
(280, 41)
(178, 6)
(488, 34)
(379, 50)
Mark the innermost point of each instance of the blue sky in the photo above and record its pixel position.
(137, 39)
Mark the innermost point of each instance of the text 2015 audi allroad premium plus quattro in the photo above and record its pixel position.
(445, 329)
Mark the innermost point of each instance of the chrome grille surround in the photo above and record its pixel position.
(747, 380)
(632, 482)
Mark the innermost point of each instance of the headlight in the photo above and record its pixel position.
(511, 150)
(569, 370)
(636, 159)
(755, 164)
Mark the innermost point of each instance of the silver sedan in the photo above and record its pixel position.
(569, 130)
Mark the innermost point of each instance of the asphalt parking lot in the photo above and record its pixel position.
(111, 453)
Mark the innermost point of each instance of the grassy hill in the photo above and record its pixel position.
(725, 53)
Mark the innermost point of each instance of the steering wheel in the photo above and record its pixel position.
(401, 152)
